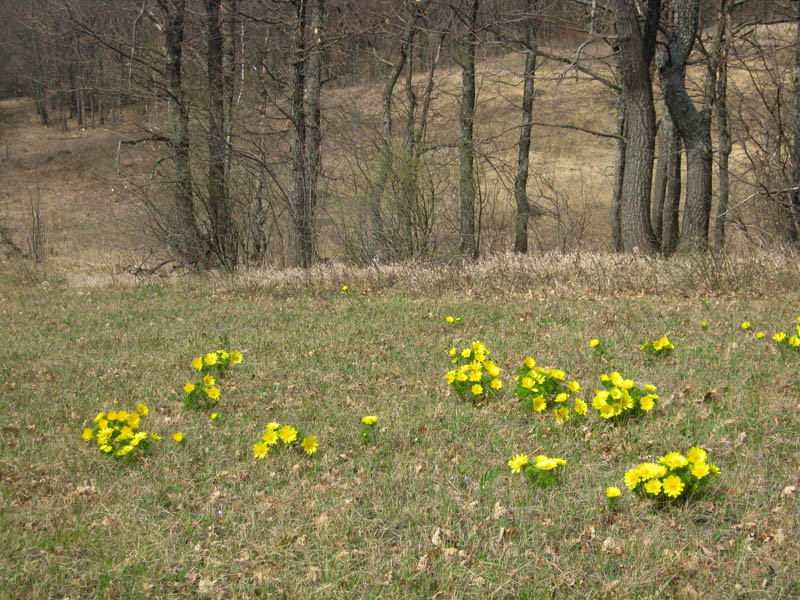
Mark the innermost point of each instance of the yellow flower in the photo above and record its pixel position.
(794, 341)
(600, 399)
(674, 460)
(613, 492)
(208, 380)
(617, 379)
(517, 462)
(236, 357)
(646, 403)
(453, 351)
(133, 420)
(212, 392)
(100, 416)
(260, 450)
(288, 434)
(310, 444)
(580, 406)
(466, 353)
(345, 288)
(673, 486)
(562, 397)
(574, 387)
(562, 414)
(210, 359)
(527, 383)
(112, 415)
(155, 437)
(700, 470)
(461, 376)
(492, 368)
(594, 343)
(714, 469)
(648, 470)
(545, 463)
(177, 436)
(449, 319)
(696, 455)
(557, 374)
(653, 487)
(529, 362)
(189, 387)
(650, 388)
(632, 478)
(604, 377)
(703, 324)
(124, 450)
(476, 389)
(760, 335)
(197, 363)
(272, 425)
(87, 434)
(778, 337)
(106, 448)
(475, 375)
(746, 325)
(270, 437)
(369, 419)
(450, 376)
(222, 354)
(539, 403)
(214, 416)
(496, 384)
(142, 409)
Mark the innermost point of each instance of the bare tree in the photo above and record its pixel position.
(468, 245)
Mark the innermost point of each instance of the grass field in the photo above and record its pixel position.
(430, 508)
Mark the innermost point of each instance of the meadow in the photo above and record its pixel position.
(428, 507)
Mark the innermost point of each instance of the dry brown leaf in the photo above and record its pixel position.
(789, 491)
(498, 511)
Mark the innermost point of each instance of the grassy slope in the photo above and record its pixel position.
(357, 521)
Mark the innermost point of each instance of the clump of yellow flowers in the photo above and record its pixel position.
(543, 471)
(204, 392)
(660, 347)
(537, 386)
(277, 435)
(117, 433)
(673, 476)
(622, 397)
(476, 377)
(788, 342)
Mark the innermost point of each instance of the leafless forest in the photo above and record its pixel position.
(293, 132)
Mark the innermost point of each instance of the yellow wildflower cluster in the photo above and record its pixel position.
(476, 377)
(672, 476)
(786, 341)
(621, 396)
(536, 386)
(543, 470)
(117, 433)
(287, 435)
(367, 423)
(660, 347)
(204, 392)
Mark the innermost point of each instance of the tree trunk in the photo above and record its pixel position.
(187, 243)
(523, 160)
(468, 245)
(299, 241)
(724, 143)
(635, 55)
(672, 191)
(693, 125)
(222, 234)
(313, 123)
(619, 172)
(793, 222)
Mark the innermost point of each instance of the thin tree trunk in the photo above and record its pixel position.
(693, 125)
(793, 225)
(672, 193)
(523, 160)
(468, 245)
(297, 251)
(724, 143)
(188, 239)
(619, 172)
(313, 126)
(222, 234)
(636, 49)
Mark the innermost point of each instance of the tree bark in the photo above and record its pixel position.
(636, 49)
(523, 160)
(619, 171)
(792, 226)
(672, 191)
(313, 123)
(724, 142)
(222, 233)
(187, 243)
(299, 251)
(468, 244)
(693, 125)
